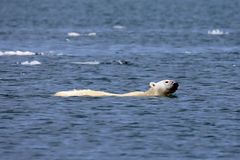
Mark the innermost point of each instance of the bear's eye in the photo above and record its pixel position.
(166, 81)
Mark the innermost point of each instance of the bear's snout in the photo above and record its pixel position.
(175, 85)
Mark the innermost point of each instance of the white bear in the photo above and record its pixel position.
(161, 88)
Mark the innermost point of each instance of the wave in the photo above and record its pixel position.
(73, 34)
(121, 62)
(118, 62)
(18, 53)
(31, 63)
(87, 63)
(119, 27)
(76, 34)
(92, 34)
(216, 32)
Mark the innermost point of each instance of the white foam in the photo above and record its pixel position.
(217, 32)
(76, 34)
(73, 34)
(119, 27)
(31, 63)
(92, 34)
(87, 63)
(17, 53)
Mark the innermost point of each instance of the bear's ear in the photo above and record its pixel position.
(152, 84)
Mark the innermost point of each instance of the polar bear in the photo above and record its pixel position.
(161, 88)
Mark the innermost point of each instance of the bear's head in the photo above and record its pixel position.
(164, 87)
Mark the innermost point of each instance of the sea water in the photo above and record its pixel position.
(119, 46)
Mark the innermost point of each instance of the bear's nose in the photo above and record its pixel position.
(175, 85)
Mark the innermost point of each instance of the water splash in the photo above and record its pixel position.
(31, 63)
(76, 34)
(217, 32)
(119, 27)
(18, 53)
(115, 62)
(73, 34)
(92, 34)
(87, 63)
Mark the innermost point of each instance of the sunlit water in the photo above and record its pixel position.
(119, 46)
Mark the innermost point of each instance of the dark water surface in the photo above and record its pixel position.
(119, 46)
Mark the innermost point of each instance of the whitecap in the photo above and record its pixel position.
(73, 34)
(92, 34)
(216, 32)
(121, 62)
(87, 63)
(31, 63)
(18, 53)
(119, 27)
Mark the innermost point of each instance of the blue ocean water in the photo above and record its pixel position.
(119, 46)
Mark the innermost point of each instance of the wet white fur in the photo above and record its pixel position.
(161, 88)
